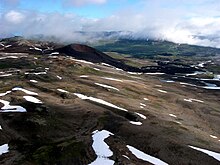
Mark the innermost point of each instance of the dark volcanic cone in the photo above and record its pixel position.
(87, 53)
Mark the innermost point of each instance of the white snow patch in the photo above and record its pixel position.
(144, 105)
(55, 53)
(126, 157)
(83, 61)
(101, 148)
(196, 100)
(59, 77)
(96, 69)
(37, 73)
(214, 137)
(35, 48)
(157, 73)
(107, 86)
(158, 85)
(11, 108)
(112, 79)
(32, 99)
(2, 44)
(7, 46)
(178, 122)
(213, 88)
(201, 65)
(3, 94)
(172, 115)
(135, 122)
(167, 81)
(6, 75)
(34, 81)
(141, 107)
(106, 65)
(24, 90)
(118, 69)
(210, 153)
(4, 149)
(146, 99)
(63, 91)
(141, 155)
(134, 73)
(84, 76)
(191, 100)
(100, 101)
(13, 57)
(188, 100)
(141, 115)
(182, 83)
(162, 91)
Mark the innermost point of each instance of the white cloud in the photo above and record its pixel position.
(174, 20)
(79, 3)
(14, 17)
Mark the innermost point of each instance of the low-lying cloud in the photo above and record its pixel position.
(175, 24)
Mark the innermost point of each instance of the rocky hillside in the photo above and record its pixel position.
(60, 108)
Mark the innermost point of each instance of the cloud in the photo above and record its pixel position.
(14, 17)
(174, 20)
(80, 3)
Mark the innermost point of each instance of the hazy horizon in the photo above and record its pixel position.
(196, 22)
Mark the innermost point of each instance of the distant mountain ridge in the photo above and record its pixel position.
(84, 52)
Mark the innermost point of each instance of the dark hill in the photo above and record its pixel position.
(87, 53)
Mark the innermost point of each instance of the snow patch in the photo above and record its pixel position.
(162, 91)
(172, 115)
(63, 91)
(97, 69)
(83, 61)
(210, 153)
(141, 155)
(112, 79)
(4, 149)
(37, 73)
(13, 57)
(34, 81)
(5, 75)
(144, 105)
(59, 77)
(101, 148)
(24, 90)
(157, 73)
(134, 73)
(135, 122)
(3, 94)
(191, 100)
(106, 65)
(126, 157)
(141, 115)
(32, 99)
(214, 137)
(11, 108)
(84, 76)
(107, 86)
(182, 83)
(100, 101)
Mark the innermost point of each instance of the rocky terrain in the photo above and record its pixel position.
(76, 105)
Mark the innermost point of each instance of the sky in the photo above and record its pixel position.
(193, 22)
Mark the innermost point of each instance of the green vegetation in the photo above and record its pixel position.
(151, 48)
